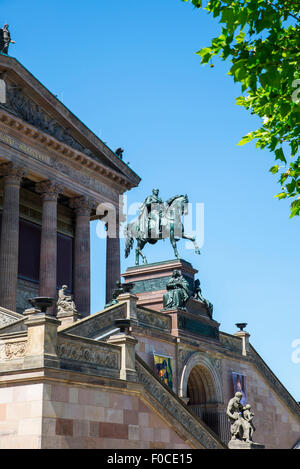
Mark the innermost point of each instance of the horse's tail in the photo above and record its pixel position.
(128, 242)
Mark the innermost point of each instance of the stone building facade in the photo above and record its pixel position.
(78, 380)
(55, 173)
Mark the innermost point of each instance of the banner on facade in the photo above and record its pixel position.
(239, 385)
(163, 366)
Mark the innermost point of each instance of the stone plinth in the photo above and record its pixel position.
(150, 280)
(185, 323)
(150, 286)
(238, 444)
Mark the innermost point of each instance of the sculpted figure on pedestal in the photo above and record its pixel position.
(65, 303)
(177, 292)
(158, 220)
(197, 294)
(5, 39)
(241, 419)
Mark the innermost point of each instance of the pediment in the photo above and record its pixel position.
(29, 100)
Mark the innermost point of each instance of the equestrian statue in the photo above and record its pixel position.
(158, 220)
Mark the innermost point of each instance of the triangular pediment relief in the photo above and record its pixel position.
(29, 100)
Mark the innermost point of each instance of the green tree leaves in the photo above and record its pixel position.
(262, 40)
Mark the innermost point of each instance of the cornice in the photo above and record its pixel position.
(39, 136)
(14, 70)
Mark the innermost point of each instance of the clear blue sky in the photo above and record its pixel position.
(129, 71)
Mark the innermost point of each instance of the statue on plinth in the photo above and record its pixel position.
(241, 420)
(5, 39)
(197, 295)
(65, 303)
(158, 220)
(177, 292)
(119, 290)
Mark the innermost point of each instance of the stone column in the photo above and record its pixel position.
(113, 267)
(9, 248)
(82, 267)
(49, 191)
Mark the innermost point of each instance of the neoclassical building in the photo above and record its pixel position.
(133, 375)
(55, 172)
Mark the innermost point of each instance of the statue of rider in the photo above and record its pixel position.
(150, 215)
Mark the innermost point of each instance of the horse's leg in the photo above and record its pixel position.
(173, 242)
(139, 248)
(137, 257)
(191, 238)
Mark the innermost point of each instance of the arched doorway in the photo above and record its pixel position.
(202, 389)
(202, 399)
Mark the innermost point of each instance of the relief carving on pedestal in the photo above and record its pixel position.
(11, 350)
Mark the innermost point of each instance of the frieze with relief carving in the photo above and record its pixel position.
(96, 354)
(93, 326)
(154, 320)
(234, 344)
(68, 170)
(29, 111)
(12, 350)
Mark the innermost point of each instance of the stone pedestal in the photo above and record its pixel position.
(127, 344)
(150, 280)
(245, 341)
(185, 323)
(131, 302)
(150, 286)
(67, 318)
(238, 444)
(42, 339)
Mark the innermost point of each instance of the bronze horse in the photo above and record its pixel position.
(165, 223)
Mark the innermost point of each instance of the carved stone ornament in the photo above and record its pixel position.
(93, 354)
(65, 303)
(241, 420)
(29, 111)
(49, 190)
(82, 205)
(12, 171)
(153, 320)
(11, 350)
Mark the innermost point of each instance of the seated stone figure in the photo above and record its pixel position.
(197, 294)
(65, 303)
(178, 292)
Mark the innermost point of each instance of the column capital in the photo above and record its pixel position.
(49, 190)
(82, 205)
(12, 171)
